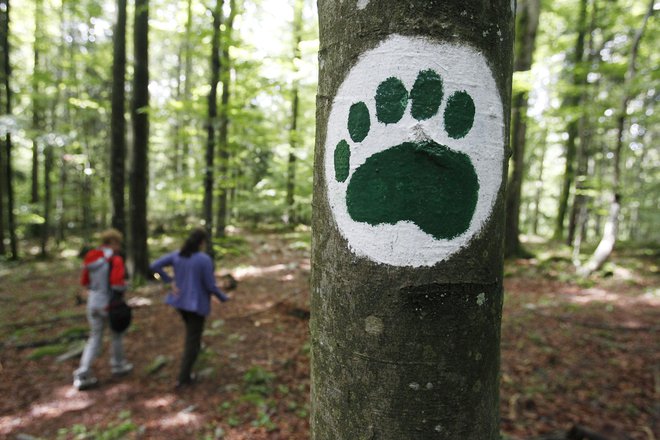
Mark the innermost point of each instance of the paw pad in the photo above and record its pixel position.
(393, 185)
(412, 168)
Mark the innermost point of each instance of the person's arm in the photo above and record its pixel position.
(159, 265)
(209, 281)
(84, 278)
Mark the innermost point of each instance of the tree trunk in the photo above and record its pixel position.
(539, 186)
(118, 122)
(293, 129)
(571, 102)
(4, 42)
(139, 175)
(224, 123)
(579, 210)
(45, 231)
(37, 107)
(608, 240)
(528, 14)
(512, 246)
(212, 123)
(3, 249)
(8, 171)
(187, 83)
(412, 125)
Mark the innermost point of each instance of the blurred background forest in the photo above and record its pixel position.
(584, 127)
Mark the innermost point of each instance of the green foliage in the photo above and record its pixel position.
(258, 393)
(230, 246)
(157, 364)
(122, 428)
(257, 380)
(48, 350)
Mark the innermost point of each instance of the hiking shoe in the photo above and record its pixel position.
(124, 368)
(181, 384)
(82, 383)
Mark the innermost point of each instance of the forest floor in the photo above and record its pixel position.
(573, 353)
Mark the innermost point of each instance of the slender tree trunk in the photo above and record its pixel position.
(45, 231)
(118, 122)
(512, 246)
(579, 210)
(528, 14)
(406, 298)
(37, 112)
(3, 249)
(224, 152)
(8, 171)
(572, 101)
(178, 117)
(211, 123)
(4, 42)
(139, 174)
(293, 129)
(609, 237)
(539, 186)
(187, 84)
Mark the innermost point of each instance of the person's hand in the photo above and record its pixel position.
(175, 289)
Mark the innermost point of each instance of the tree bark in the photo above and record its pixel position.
(8, 171)
(539, 186)
(3, 249)
(139, 174)
(118, 122)
(607, 242)
(223, 144)
(187, 82)
(4, 42)
(45, 231)
(211, 123)
(572, 101)
(37, 107)
(528, 14)
(405, 323)
(293, 129)
(577, 225)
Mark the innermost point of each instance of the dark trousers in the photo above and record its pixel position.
(194, 328)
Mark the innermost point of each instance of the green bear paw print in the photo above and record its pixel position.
(418, 181)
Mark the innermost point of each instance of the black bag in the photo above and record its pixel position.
(119, 313)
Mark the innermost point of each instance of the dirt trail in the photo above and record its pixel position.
(570, 355)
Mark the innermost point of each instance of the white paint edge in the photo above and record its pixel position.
(462, 68)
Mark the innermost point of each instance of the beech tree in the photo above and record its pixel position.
(118, 121)
(295, 98)
(224, 150)
(528, 21)
(6, 151)
(211, 123)
(410, 163)
(139, 174)
(572, 101)
(610, 231)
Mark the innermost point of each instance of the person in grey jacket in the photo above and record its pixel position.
(103, 271)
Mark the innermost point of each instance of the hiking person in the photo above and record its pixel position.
(103, 272)
(191, 289)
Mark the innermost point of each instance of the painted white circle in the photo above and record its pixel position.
(461, 69)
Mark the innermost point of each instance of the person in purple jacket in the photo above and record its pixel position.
(192, 286)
